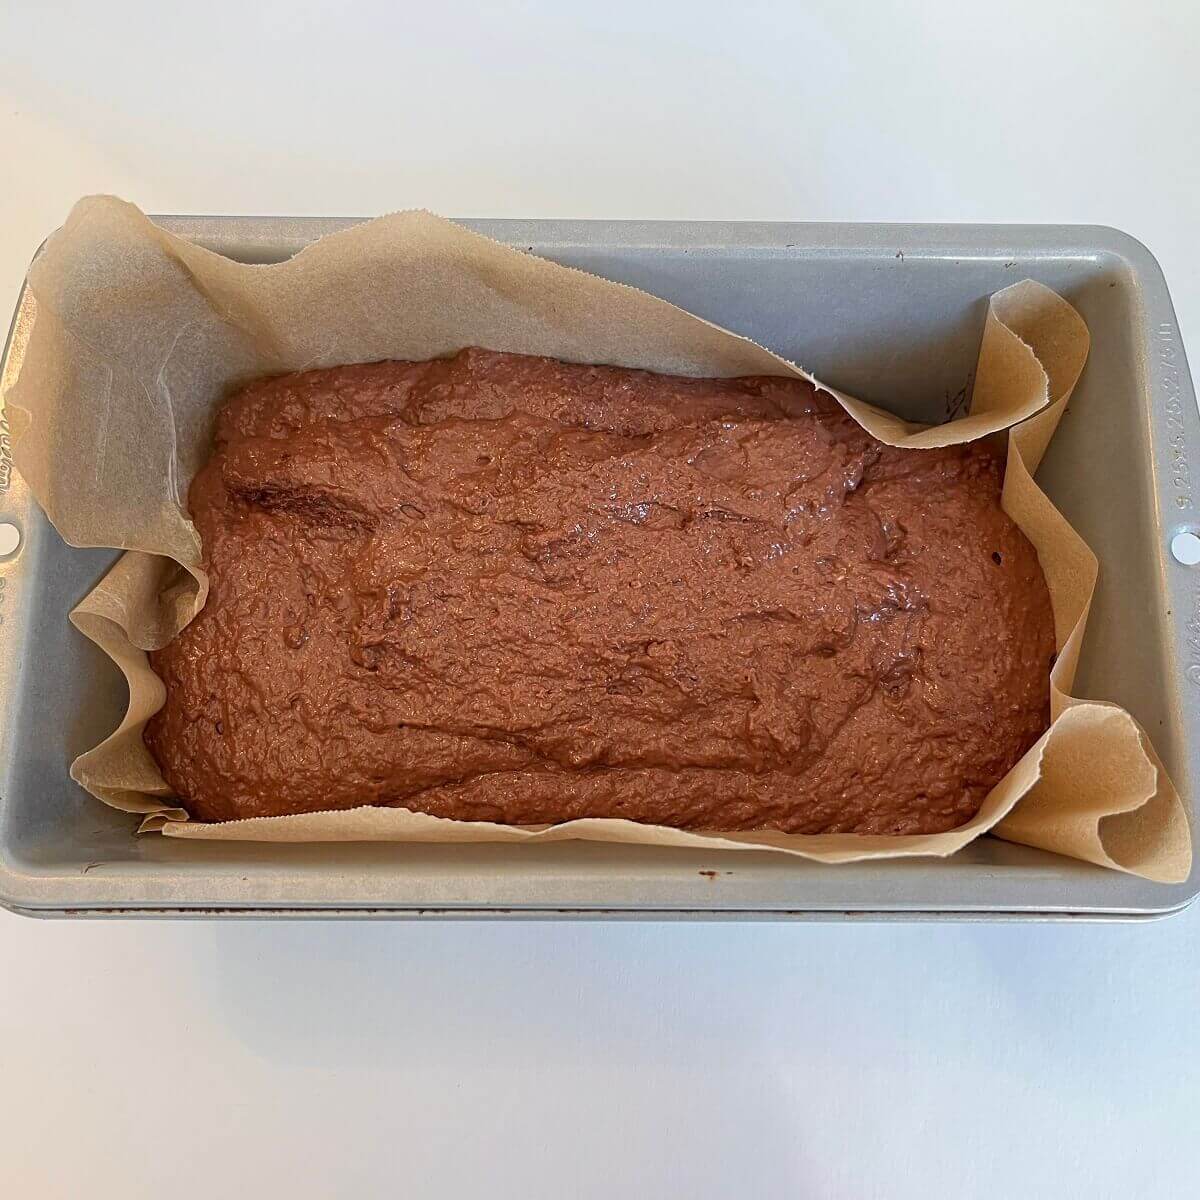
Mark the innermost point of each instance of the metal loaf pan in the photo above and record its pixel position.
(892, 313)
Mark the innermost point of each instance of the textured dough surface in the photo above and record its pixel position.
(504, 588)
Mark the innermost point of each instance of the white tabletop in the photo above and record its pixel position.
(201, 1059)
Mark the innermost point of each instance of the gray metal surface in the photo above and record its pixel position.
(892, 313)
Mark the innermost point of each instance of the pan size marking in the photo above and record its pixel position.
(1192, 639)
(1173, 402)
(6, 462)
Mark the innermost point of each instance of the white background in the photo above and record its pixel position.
(604, 1060)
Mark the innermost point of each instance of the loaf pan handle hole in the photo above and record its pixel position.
(10, 539)
(1185, 547)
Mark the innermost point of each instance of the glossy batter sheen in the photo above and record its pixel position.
(508, 588)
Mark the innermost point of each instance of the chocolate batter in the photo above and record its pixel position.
(504, 588)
